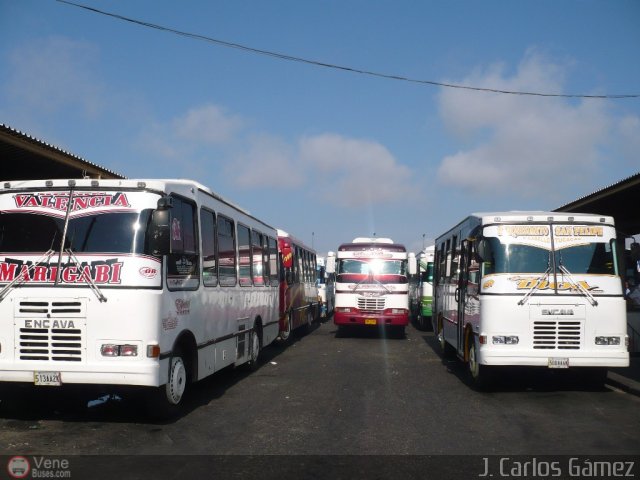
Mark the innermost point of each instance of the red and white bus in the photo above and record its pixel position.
(372, 283)
(146, 283)
(299, 303)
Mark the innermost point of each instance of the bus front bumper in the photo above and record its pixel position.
(369, 319)
(556, 359)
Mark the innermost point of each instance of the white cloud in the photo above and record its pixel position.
(354, 173)
(268, 162)
(207, 124)
(55, 73)
(521, 144)
(629, 132)
(190, 135)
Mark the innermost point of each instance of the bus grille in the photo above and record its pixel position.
(50, 330)
(57, 344)
(557, 335)
(371, 303)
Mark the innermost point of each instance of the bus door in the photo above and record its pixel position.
(462, 293)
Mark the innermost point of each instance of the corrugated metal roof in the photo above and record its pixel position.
(629, 180)
(25, 158)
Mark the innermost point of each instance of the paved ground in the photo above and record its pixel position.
(327, 395)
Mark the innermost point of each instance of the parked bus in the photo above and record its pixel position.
(148, 283)
(531, 289)
(425, 287)
(371, 283)
(325, 284)
(299, 304)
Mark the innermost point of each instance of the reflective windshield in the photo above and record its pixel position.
(528, 249)
(104, 233)
(591, 258)
(375, 267)
(513, 258)
(372, 271)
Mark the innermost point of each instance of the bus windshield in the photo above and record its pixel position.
(579, 250)
(374, 267)
(102, 233)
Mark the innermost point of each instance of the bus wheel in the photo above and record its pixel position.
(254, 349)
(398, 331)
(310, 317)
(593, 377)
(447, 350)
(165, 400)
(480, 374)
(285, 335)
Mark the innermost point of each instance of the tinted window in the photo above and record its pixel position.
(226, 252)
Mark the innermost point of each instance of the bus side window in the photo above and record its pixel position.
(244, 253)
(273, 262)
(226, 252)
(183, 262)
(257, 258)
(209, 263)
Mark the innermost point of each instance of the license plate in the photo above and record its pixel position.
(558, 363)
(51, 379)
(370, 321)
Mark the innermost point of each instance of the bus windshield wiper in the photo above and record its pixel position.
(88, 278)
(370, 278)
(21, 278)
(535, 287)
(575, 285)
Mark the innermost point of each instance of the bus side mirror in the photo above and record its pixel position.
(331, 263)
(159, 228)
(413, 266)
(482, 250)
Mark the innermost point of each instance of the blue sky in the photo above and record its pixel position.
(328, 154)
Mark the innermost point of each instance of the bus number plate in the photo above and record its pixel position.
(556, 362)
(370, 321)
(47, 379)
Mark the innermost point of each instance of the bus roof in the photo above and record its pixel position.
(180, 185)
(540, 216)
(359, 247)
(525, 216)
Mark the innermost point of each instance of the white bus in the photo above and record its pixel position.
(424, 293)
(531, 289)
(150, 283)
(371, 283)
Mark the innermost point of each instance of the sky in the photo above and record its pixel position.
(336, 119)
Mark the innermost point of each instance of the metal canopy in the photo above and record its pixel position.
(26, 158)
(620, 200)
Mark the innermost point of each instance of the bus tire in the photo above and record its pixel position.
(398, 331)
(447, 350)
(255, 345)
(480, 374)
(285, 335)
(166, 399)
(593, 377)
(310, 318)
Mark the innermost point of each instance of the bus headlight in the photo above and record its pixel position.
(505, 340)
(607, 340)
(115, 350)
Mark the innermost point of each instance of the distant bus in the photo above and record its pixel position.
(146, 283)
(531, 289)
(425, 287)
(325, 284)
(299, 303)
(371, 284)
